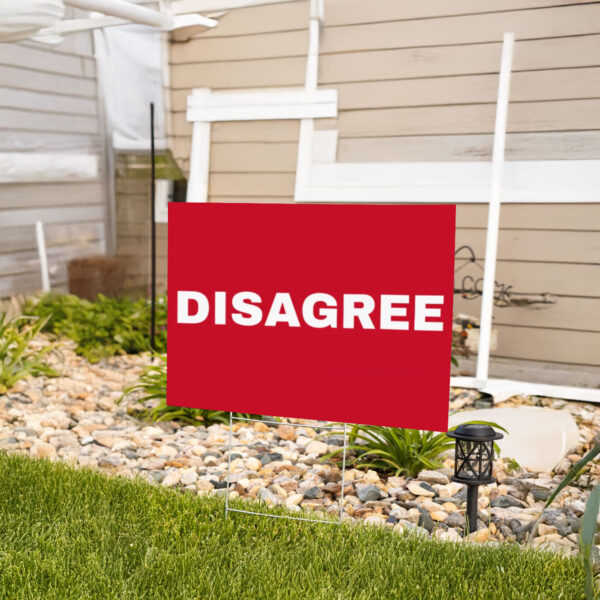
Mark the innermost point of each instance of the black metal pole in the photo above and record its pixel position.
(472, 508)
(152, 234)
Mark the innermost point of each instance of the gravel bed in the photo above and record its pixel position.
(76, 418)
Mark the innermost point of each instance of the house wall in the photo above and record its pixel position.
(49, 104)
(418, 82)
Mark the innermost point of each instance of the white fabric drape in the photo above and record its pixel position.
(20, 19)
(129, 66)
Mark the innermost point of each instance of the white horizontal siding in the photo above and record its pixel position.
(51, 152)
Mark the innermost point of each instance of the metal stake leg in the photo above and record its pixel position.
(343, 476)
(228, 464)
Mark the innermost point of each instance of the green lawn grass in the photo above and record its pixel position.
(71, 533)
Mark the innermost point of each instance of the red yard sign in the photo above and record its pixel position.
(338, 313)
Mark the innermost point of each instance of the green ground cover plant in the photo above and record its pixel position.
(17, 358)
(153, 386)
(105, 327)
(76, 534)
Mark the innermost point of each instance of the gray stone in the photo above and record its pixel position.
(515, 525)
(460, 495)
(425, 520)
(158, 476)
(215, 454)
(523, 531)
(455, 519)
(552, 516)
(313, 493)
(540, 495)
(453, 499)
(268, 457)
(507, 502)
(574, 524)
(369, 492)
(267, 496)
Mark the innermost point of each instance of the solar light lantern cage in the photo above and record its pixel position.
(473, 461)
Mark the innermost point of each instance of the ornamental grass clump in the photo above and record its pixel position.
(103, 328)
(17, 357)
(153, 387)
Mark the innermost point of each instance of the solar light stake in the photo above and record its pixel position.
(473, 461)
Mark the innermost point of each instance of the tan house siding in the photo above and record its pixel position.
(49, 103)
(418, 82)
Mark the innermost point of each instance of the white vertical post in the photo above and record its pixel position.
(491, 244)
(197, 189)
(41, 248)
(310, 84)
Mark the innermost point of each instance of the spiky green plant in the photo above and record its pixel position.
(153, 385)
(17, 359)
(395, 451)
(398, 451)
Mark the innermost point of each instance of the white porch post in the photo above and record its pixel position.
(197, 189)
(491, 244)
(305, 139)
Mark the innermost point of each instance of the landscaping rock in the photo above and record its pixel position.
(420, 488)
(42, 450)
(369, 492)
(506, 502)
(287, 432)
(425, 520)
(293, 500)
(313, 493)
(268, 497)
(316, 447)
(433, 477)
(455, 519)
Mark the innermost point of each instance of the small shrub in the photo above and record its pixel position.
(395, 451)
(17, 359)
(153, 384)
(105, 327)
(398, 451)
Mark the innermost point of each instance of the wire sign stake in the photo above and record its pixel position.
(228, 509)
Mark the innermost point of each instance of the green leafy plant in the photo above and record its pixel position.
(105, 327)
(153, 385)
(590, 515)
(17, 359)
(398, 451)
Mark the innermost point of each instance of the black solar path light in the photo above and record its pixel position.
(473, 459)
